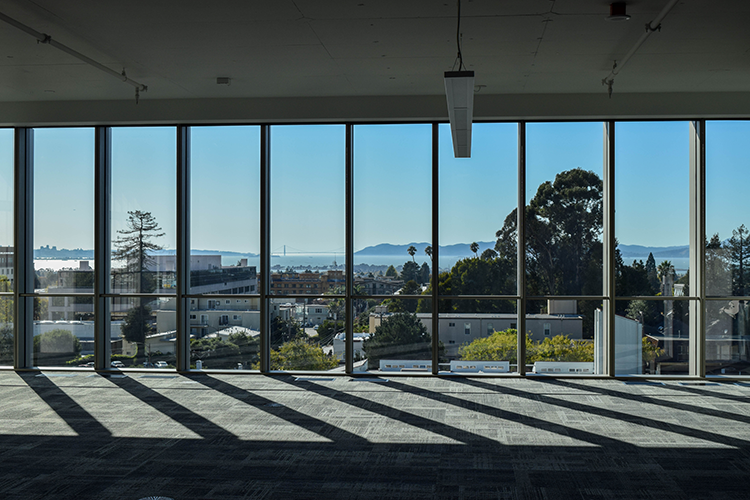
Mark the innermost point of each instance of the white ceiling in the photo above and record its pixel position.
(356, 48)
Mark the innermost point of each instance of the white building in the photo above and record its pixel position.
(339, 344)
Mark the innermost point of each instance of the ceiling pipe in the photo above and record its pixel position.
(654, 25)
(45, 38)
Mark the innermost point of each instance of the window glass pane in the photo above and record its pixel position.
(60, 337)
(308, 216)
(224, 333)
(564, 208)
(652, 208)
(393, 201)
(303, 336)
(225, 206)
(476, 341)
(64, 210)
(727, 216)
(7, 349)
(727, 247)
(143, 209)
(727, 337)
(652, 337)
(478, 199)
(564, 338)
(6, 208)
(389, 336)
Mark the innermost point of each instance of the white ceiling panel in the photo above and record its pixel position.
(311, 48)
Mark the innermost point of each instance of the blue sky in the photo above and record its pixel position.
(6, 187)
(392, 182)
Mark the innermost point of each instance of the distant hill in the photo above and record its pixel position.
(629, 251)
(195, 251)
(462, 250)
(455, 250)
(48, 252)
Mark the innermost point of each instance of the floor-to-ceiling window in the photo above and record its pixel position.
(478, 251)
(652, 226)
(392, 243)
(308, 247)
(564, 251)
(143, 241)
(727, 257)
(63, 163)
(6, 247)
(224, 302)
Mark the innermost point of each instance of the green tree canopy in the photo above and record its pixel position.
(503, 346)
(391, 272)
(653, 277)
(411, 287)
(328, 329)
(6, 345)
(500, 346)
(57, 341)
(214, 352)
(300, 355)
(138, 324)
(563, 224)
(471, 276)
(561, 348)
(283, 331)
(401, 336)
(410, 271)
(738, 247)
(488, 254)
(424, 273)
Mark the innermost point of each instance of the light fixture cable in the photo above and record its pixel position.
(459, 55)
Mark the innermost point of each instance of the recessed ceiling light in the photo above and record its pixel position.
(617, 12)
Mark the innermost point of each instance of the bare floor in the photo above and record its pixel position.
(87, 436)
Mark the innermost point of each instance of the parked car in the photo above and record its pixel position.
(117, 364)
(90, 364)
(161, 364)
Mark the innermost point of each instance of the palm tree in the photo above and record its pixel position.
(428, 251)
(411, 251)
(665, 269)
(474, 248)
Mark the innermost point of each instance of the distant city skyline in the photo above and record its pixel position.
(392, 182)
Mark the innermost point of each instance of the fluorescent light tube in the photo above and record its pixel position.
(459, 90)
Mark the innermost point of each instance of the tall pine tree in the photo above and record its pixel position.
(134, 247)
(739, 254)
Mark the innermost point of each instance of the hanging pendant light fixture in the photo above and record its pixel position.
(459, 92)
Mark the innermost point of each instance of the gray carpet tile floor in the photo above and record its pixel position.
(87, 436)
